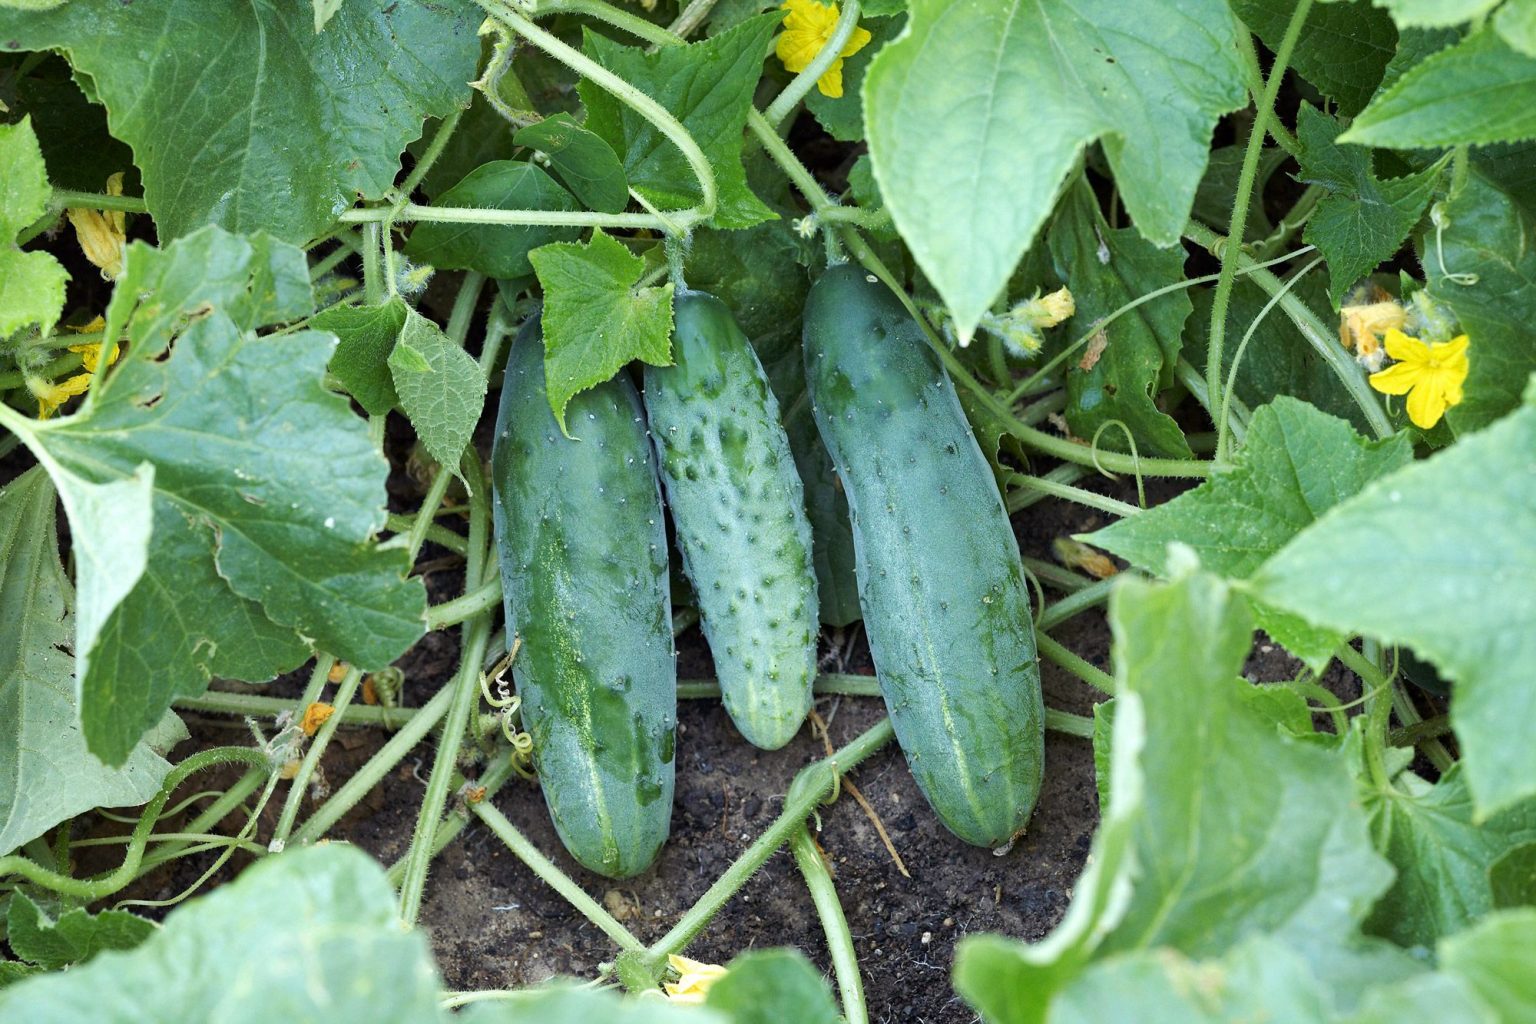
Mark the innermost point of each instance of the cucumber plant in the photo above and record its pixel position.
(254, 311)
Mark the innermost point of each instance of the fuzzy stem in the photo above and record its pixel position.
(556, 879)
(845, 960)
(322, 738)
(91, 889)
(1073, 663)
(1245, 179)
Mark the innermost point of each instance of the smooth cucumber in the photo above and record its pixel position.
(739, 509)
(940, 581)
(583, 551)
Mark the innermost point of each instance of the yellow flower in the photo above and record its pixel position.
(807, 29)
(693, 981)
(103, 234)
(1430, 375)
(1055, 307)
(52, 395)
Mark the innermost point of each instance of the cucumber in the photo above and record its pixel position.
(940, 581)
(583, 552)
(739, 509)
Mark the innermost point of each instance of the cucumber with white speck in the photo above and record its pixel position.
(945, 604)
(739, 509)
(583, 552)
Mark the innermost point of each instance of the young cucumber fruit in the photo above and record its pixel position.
(583, 552)
(940, 580)
(739, 509)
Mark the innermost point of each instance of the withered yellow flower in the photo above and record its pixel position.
(103, 233)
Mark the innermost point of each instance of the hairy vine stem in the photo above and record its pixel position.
(845, 959)
(1229, 254)
(101, 886)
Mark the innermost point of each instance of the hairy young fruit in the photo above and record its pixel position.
(584, 571)
(739, 509)
(940, 580)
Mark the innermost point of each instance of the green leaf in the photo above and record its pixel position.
(1477, 92)
(365, 337)
(288, 126)
(1344, 48)
(597, 318)
(843, 117)
(253, 280)
(979, 111)
(74, 938)
(1512, 877)
(311, 935)
(1261, 980)
(1362, 221)
(1010, 982)
(588, 165)
(441, 387)
(565, 1003)
(1435, 13)
(1434, 996)
(1247, 831)
(1411, 560)
(1494, 959)
(31, 283)
(708, 86)
(496, 250)
(1106, 269)
(1516, 22)
(266, 492)
(771, 986)
(1443, 858)
(46, 774)
(1489, 233)
(1297, 463)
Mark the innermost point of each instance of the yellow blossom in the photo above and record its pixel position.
(807, 29)
(1430, 375)
(52, 395)
(103, 233)
(1055, 307)
(693, 981)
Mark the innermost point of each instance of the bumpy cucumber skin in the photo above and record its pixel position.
(739, 509)
(940, 581)
(583, 551)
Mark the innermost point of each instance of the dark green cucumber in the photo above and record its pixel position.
(739, 509)
(940, 581)
(583, 553)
